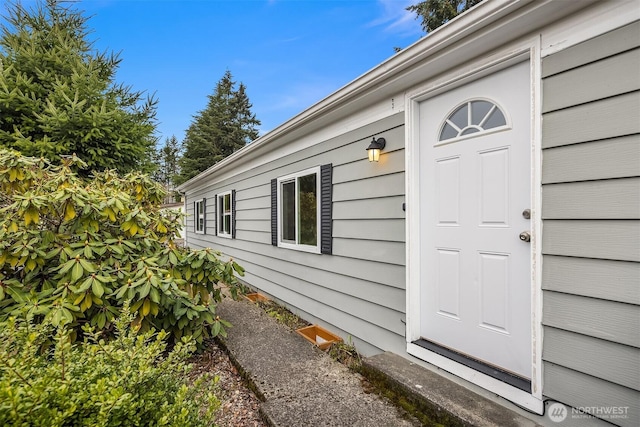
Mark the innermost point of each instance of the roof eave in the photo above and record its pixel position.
(481, 16)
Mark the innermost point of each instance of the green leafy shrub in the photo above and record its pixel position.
(126, 381)
(73, 250)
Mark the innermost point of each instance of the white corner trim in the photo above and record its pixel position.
(536, 218)
(412, 219)
(185, 230)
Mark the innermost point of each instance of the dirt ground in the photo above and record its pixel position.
(239, 407)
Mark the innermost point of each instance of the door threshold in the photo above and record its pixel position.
(490, 370)
(530, 400)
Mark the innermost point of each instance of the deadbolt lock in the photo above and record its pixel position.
(526, 214)
(525, 236)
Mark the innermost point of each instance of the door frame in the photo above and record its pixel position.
(526, 50)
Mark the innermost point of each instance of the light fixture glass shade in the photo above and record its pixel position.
(374, 149)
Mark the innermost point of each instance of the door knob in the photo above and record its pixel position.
(525, 236)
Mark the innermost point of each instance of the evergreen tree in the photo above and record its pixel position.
(166, 160)
(223, 127)
(58, 95)
(435, 13)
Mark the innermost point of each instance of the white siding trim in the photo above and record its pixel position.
(413, 215)
(185, 229)
(579, 27)
(536, 218)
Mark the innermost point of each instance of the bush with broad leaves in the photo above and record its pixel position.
(130, 380)
(73, 250)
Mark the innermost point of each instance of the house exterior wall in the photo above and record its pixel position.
(358, 290)
(591, 227)
(590, 177)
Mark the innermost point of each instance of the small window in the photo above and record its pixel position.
(295, 224)
(200, 215)
(472, 118)
(299, 210)
(225, 215)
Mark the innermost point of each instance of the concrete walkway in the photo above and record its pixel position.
(300, 384)
(442, 400)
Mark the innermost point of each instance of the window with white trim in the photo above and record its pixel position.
(299, 210)
(225, 215)
(200, 215)
(472, 118)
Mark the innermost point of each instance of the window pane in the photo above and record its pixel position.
(479, 109)
(308, 210)
(460, 117)
(227, 202)
(495, 119)
(220, 214)
(199, 216)
(448, 132)
(227, 224)
(289, 211)
(469, 131)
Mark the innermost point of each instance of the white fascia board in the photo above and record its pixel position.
(579, 27)
(456, 40)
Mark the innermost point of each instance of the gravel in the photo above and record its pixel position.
(239, 406)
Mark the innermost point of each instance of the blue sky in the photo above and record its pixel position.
(288, 53)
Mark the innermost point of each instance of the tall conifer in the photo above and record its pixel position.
(167, 160)
(223, 127)
(58, 95)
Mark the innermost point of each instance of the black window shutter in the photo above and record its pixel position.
(216, 209)
(204, 215)
(274, 212)
(326, 209)
(195, 216)
(233, 214)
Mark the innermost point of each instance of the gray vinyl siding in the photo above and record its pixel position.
(591, 223)
(359, 290)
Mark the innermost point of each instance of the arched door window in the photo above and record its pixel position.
(473, 117)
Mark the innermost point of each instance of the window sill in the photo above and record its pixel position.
(300, 248)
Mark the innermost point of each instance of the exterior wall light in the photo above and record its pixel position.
(374, 149)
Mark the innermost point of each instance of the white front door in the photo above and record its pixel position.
(474, 190)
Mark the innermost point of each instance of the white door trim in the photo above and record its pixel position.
(525, 50)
